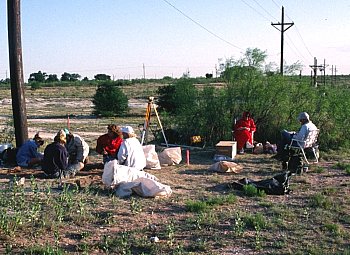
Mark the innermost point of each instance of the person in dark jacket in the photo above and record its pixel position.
(55, 160)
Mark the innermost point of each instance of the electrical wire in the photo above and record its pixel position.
(265, 10)
(262, 15)
(198, 24)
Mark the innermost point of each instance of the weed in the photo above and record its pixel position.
(333, 228)
(204, 206)
(258, 244)
(46, 249)
(319, 170)
(135, 206)
(196, 206)
(343, 166)
(239, 226)
(255, 220)
(251, 191)
(320, 200)
(170, 232)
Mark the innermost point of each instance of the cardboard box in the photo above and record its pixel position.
(227, 148)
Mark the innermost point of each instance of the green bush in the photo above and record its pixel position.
(110, 100)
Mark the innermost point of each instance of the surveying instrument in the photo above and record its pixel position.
(146, 125)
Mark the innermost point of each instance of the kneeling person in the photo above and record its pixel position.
(55, 160)
(78, 151)
(131, 152)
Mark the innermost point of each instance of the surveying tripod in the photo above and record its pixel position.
(146, 125)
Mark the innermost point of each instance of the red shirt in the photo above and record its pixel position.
(108, 144)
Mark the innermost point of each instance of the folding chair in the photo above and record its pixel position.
(310, 144)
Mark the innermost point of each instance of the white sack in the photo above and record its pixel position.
(152, 160)
(143, 187)
(113, 174)
(170, 156)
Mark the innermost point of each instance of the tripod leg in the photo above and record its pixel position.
(161, 126)
(146, 124)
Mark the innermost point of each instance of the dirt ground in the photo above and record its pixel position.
(188, 182)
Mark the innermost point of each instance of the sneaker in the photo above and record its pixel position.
(248, 145)
(241, 151)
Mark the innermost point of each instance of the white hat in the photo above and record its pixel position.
(303, 116)
(128, 130)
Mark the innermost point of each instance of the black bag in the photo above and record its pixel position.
(8, 156)
(277, 185)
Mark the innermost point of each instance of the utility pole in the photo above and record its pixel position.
(324, 72)
(282, 30)
(144, 72)
(315, 67)
(16, 72)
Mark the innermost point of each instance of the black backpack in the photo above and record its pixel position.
(8, 156)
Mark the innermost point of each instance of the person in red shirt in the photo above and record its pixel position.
(108, 144)
(244, 130)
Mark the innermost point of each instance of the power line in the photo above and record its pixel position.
(303, 41)
(262, 15)
(198, 24)
(265, 10)
(275, 4)
(298, 52)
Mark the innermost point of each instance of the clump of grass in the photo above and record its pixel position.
(255, 221)
(333, 228)
(251, 191)
(203, 206)
(343, 166)
(319, 170)
(320, 200)
(197, 206)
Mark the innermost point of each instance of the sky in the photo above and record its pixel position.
(156, 38)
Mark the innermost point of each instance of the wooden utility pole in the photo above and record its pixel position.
(144, 71)
(315, 67)
(16, 71)
(283, 29)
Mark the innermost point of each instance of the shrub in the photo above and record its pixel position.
(35, 85)
(110, 100)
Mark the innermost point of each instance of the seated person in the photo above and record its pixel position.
(131, 152)
(28, 155)
(108, 144)
(286, 136)
(55, 160)
(78, 151)
(244, 130)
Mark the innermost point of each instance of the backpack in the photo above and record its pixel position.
(8, 156)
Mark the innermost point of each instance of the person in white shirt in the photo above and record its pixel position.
(131, 152)
(286, 136)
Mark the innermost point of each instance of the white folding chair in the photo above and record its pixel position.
(309, 143)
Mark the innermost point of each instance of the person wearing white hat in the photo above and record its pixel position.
(286, 136)
(130, 152)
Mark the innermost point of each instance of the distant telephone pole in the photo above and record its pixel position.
(16, 71)
(282, 29)
(144, 71)
(314, 68)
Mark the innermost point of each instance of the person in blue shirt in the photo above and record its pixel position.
(28, 155)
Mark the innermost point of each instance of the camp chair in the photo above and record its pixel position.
(310, 144)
